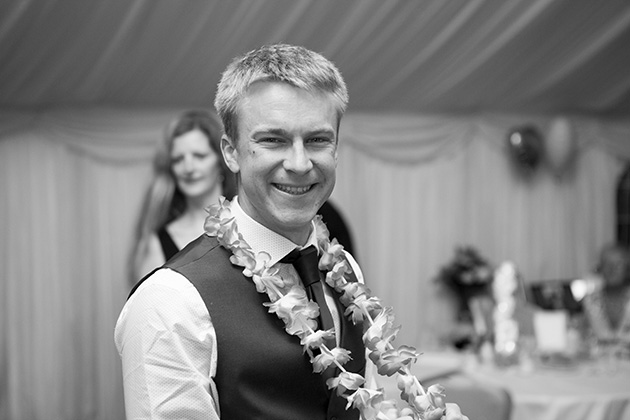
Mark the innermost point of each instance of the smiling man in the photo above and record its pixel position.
(285, 156)
(235, 326)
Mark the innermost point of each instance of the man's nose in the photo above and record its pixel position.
(298, 159)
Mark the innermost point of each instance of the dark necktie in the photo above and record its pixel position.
(305, 263)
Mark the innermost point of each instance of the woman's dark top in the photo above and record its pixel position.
(168, 245)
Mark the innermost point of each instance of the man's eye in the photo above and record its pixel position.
(319, 140)
(271, 140)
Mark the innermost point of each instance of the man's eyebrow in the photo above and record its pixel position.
(284, 133)
(275, 131)
(327, 131)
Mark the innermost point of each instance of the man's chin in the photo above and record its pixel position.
(297, 209)
(298, 221)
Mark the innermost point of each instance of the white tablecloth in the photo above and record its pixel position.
(587, 391)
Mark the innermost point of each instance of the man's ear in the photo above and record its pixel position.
(230, 154)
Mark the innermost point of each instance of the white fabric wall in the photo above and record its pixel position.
(412, 188)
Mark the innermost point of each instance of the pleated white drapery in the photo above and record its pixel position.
(411, 187)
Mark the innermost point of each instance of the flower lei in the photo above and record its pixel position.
(289, 302)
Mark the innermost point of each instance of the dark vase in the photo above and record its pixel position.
(466, 294)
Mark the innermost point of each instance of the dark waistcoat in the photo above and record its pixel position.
(262, 371)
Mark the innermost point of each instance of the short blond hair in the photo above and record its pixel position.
(294, 65)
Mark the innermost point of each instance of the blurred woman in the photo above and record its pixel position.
(189, 175)
(607, 304)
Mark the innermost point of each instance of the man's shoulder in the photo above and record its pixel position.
(201, 248)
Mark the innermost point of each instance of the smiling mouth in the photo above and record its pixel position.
(293, 190)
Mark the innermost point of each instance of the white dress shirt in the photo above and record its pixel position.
(167, 343)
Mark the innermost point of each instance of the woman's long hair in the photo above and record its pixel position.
(164, 202)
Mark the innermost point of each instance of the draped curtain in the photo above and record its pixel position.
(411, 187)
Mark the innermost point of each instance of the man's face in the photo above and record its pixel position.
(286, 155)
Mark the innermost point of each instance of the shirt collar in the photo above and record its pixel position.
(261, 238)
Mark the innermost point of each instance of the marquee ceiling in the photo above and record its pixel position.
(412, 56)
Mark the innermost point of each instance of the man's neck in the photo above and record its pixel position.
(299, 237)
(261, 238)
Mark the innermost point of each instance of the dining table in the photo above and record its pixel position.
(594, 389)
(584, 390)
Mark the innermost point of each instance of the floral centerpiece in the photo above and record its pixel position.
(289, 302)
(469, 276)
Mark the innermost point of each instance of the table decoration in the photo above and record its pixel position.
(469, 276)
(506, 330)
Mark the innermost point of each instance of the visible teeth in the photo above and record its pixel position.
(292, 190)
